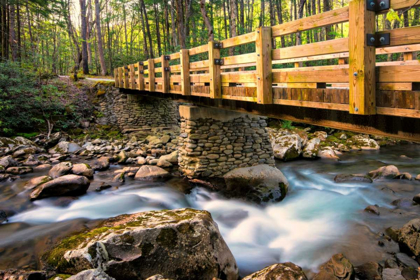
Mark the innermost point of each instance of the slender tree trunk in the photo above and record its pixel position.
(12, 32)
(300, 15)
(89, 30)
(206, 20)
(328, 33)
(99, 37)
(180, 22)
(280, 16)
(157, 29)
(148, 29)
(225, 19)
(85, 64)
(173, 21)
(144, 34)
(19, 36)
(232, 20)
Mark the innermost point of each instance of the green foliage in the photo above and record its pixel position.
(392, 16)
(287, 125)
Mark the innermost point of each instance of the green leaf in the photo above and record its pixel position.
(392, 15)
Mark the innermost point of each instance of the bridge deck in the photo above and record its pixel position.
(353, 81)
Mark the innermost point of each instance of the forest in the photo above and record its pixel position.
(96, 36)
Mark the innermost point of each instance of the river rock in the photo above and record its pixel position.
(179, 244)
(369, 271)
(404, 176)
(122, 157)
(37, 181)
(172, 157)
(392, 274)
(408, 238)
(68, 185)
(373, 209)
(338, 267)
(151, 173)
(13, 274)
(3, 217)
(416, 198)
(91, 274)
(19, 170)
(31, 161)
(100, 164)
(363, 142)
(362, 178)
(83, 169)
(404, 260)
(8, 161)
(158, 277)
(418, 177)
(163, 163)
(327, 153)
(42, 167)
(280, 271)
(384, 172)
(410, 273)
(322, 135)
(60, 169)
(61, 148)
(287, 147)
(261, 183)
(311, 148)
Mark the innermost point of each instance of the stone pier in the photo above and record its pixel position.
(213, 141)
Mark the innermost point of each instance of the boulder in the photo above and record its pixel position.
(408, 238)
(8, 161)
(404, 260)
(416, 198)
(384, 172)
(158, 277)
(361, 178)
(410, 273)
(311, 149)
(42, 167)
(63, 147)
(280, 271)
(13, 274)
(338, 267)
(151, 173)
(369, 271)
(287, 147)
(179, 244)
(31, 161)
(91, 274)
(418, 177)
(163, 163)
(60, 169)
(19, 170)
(261, 183)
(141, 160)
(327, 153)
(122, 157)
(404, 176)
(392, 274)
(363, 142)
(100, 164)
(322, 135)
(83, 169)
(172, 157)
(68, 185)
(37, 181)
(373, 209)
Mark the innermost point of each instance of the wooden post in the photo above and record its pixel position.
(126, 78)
(263, 47)
(140, 79)
(214, 71)
(362, 80)
(151, 75)
(120, 77)
(132, 77)
(341, 61)
(165, 75)
(117, 82)
(185, 72)
(408, 56)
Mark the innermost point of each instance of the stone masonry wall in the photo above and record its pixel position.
(212, 142)
(134, 111)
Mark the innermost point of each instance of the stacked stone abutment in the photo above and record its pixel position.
(213, 142)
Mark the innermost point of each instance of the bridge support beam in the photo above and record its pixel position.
(213, 142)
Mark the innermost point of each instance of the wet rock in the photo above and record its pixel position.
(22, 275)
(119, 178)
(404, 176)
(163, 163)
(403, 203)
(342, 178)
(91, 274)
(363, 142)
(180, 244)
(418, 177)
(8, 161)
(369, 271)
(83, 169)
(122, 157)
(280, 271)
(3, 217)
(408, 238)
(311, 149)
(322, 135)
(338, 267)
(287, 147)
(327, 153)
(31, 161)
(64, 147)
(4, 177)
(141, 160)
(393, 233)
(384, 172)
(60, 169)
(19, 170)
(410, 273)
(102, 187)
(373, 209)
(68, 185)
(151, 173)
(416, 198)
(100, 164)
(404, 260)
(261, 183)
(42, 167)
(172, 157)
(391, 263)
(158, 277)
(392, 274)
(37, 181)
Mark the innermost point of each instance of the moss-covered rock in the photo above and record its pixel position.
(181, 244)
(280, 271)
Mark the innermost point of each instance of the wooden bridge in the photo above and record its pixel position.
(353, 92)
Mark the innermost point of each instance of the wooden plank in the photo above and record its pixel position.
(185, 72)
(409, 113)
(140, 77)
(117, 82)
(320, 48)
(120, 76)
(263, 49)
(199, 65)
(158, 70)
(175, 68)
(240, 59)
(175, 79)
(200, 78)
(403, 36)
(394, 86)
(157, 60)
(240, 98)
(401, 4)
(301, 85)
(318, 76)
(398, 63)
(214, 72)
(239, 40)
(174, 56)
(238, 77)
(312, 68)
(152, 76)
(342, 61)
(408, 56)
(315, 21)
(398, 74)
(165, 75)
(238, 65)
(398, 49)
(132, 77)
(197, 50)
(310, 104)
(362, 60)
(126, 79)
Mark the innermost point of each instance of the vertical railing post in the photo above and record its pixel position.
(362, 81)
(132, 77)
(126, 79)
(151, 75)
(214, 71)
(165, 74)
(116, 78)
(140, 79)
(263, 48)
(185, 72)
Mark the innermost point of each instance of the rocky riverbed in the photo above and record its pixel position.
(351, 214)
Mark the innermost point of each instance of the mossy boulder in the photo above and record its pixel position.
(83, 169)
(337, 268)
(37, 181)
(68, 185)
(180, 244)
(408, 239)
(287, 147)
(60, 169)
(384, 172)
(280, 271)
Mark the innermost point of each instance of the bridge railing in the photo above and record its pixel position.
(352, 81)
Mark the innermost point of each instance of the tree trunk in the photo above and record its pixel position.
(300, 15)
(328, 33)
(206, 20)
(85, 64)
(19, 39)
(232, 19)
(99, 37)
(157, 29)
(146, 50)
(148, 29)
(12, 32)
(180, 22)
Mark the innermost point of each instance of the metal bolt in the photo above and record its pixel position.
(372, 4)
(355, 74)
(382, 4)
(356, 109)
(382, 39)
(258, 31)
(258, 54)
(372, 39)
